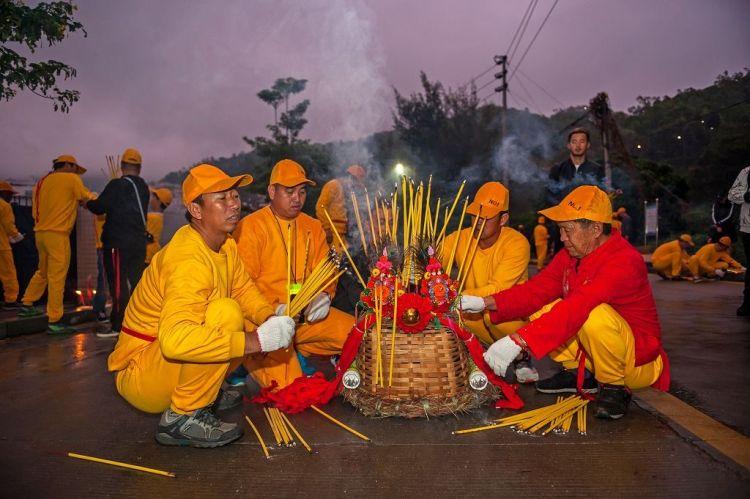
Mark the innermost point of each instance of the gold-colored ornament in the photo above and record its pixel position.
(375, 272)
(410, 316)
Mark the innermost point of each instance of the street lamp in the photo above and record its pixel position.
(399, 169)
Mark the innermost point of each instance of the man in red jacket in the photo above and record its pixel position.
(591, 309)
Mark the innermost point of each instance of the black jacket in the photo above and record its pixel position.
(564, 177)
(124, 228)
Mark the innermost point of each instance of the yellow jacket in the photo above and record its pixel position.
(261, 242)
(541, 235)
(708, 257)
(55, 201)
(154, 226)
(7, 225)
(170, 302)
(666, 250)
(497, 268)
(98, 228)
(333, 199)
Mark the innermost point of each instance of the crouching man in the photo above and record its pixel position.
(185, 321)
(595, 312)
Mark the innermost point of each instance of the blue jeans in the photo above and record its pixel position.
(100, 299)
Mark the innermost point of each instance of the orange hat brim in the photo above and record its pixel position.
(229, 183)
(487, 211)
(561, 214)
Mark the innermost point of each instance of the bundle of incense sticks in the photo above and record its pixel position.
(113, 165)
(322, 276)
(556, 417)
(283, 430)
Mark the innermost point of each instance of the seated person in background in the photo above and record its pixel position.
(713, 260)
(670, 259)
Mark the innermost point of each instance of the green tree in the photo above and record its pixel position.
(285, 129)
(30, 27)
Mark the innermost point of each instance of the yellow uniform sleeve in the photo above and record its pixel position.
(508, 268)
(724, 257)
(81, 192)
(250, 245)
(154, 226)
(182, 334)
(707, 258)
(8, 220)
(332, 200)
(254, 304)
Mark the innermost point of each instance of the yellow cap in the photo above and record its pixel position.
(541, 220)
(621, 210)
(5, 186)
(726, 241)
(131, 156)
(288, 173)
(207, 178)
(493, 197)
(687, 238)
(69, 158)
(164, 195)
(357, 172)
(587, 202)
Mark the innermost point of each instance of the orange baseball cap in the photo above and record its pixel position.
(5, 186)
(289, 173)
(69, 158)
(687, 238)
(131, 156)
(541, 220)
(357, 172)
(493, 197)
(726, 241)
(164, 195)
(205, 178)
(621, 210)
(587, 202)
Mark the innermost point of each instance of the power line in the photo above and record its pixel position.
(533, 40)
(523, 19)
(525, 23)
(537, 85)
(485, 85)
(528, 94)
(520, 99)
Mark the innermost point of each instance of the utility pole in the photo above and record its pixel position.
(502, 75)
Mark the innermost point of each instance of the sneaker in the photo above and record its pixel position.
(109, 333)
(227, 399)
(12, 305)
(102, 318)
(56, 328)
(238, 377)
(307, 368)
(612, 401)
(565, 382)
(30, 311)
(200, 429)
(526, 372)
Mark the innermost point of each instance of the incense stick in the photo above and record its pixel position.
(121, 464)
(296, 433)
(339, 423)
(257, 434)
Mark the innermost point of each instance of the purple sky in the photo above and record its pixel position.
(178, 79)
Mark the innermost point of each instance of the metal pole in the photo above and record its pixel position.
(607, 166)
(505, 112)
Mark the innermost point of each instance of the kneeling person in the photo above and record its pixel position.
(595, 307)
(186, 319)
(262, 243)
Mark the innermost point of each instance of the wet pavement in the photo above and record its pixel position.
(58, 398)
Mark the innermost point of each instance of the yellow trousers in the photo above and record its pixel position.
(541, 255)
(671, 265)
(152, 382)
(325, 337)
(697, 269)
(8, 276)
(486, 331)
(54, 259)
(610, 350)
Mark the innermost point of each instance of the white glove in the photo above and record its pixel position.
(472, 304)
(276, 333)
(281, 309)
(318, 308)
(720, 272)
(16, 239)
(500, 354)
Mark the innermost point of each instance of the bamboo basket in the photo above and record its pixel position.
(430, 376)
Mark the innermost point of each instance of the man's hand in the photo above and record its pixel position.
(720, 273)
(276, 333)
(501, 353)
(472, 304)
(318, 308)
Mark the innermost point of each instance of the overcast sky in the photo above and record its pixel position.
(177, 79)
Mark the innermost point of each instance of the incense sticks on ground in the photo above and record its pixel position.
(557, 417)
(339, 423)
(257, 435)
(121, 464)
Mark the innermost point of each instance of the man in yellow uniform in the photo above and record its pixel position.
(713, 260)
(185, 322)
(100, 298)
(334, 197)
(8, 235)
(670, 259)
(54, 207)
(160, 201)
(541, 242)
(500, 262)
(262, 243)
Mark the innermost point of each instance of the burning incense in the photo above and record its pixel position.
(359, 222)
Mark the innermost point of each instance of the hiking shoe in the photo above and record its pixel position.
(102, 318)
(525, 371)
(57, 328)
(109, 333)
(200, 429)
(227, 399)
(612, 401)
(238, 377)
(307, 368)
(30, 311)
(565, 382)
(12, 305)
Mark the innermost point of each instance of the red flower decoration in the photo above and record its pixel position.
(414, 313)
